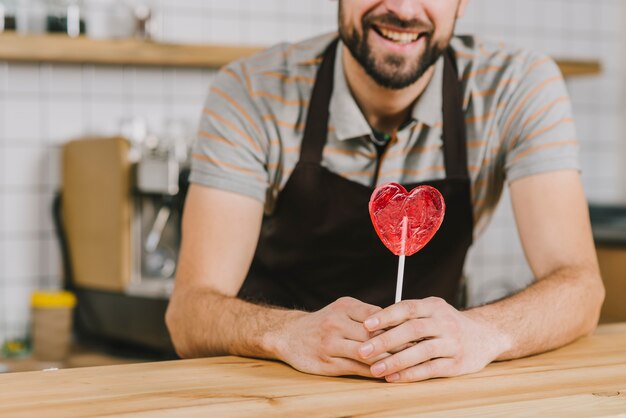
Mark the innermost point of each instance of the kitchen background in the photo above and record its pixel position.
(44, 105)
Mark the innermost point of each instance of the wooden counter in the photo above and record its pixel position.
(587, 378)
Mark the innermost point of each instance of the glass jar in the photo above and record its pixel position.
(65, 16)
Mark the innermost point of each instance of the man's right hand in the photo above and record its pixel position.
(204, 317)
(326, 342)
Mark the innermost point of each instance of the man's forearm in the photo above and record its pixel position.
(203, 322)
(548, 314)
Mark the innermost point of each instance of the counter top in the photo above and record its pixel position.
(586, 378)
(609, 224)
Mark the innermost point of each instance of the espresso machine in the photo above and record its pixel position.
(118, 218)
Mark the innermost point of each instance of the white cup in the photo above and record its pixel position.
(109, 19)
(31, 17)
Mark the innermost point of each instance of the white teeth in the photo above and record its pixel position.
(400, 37)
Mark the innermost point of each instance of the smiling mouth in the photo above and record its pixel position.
(398, 36)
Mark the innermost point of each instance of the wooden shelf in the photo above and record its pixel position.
(82, 50)
(573, 68)
(60, 48)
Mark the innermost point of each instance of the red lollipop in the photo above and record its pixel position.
(406, 222)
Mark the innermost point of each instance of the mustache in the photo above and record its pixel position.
(392, 20)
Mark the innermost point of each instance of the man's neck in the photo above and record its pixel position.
(384, 109)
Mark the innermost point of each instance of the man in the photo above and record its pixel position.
(291, 144)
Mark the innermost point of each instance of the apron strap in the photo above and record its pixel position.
(454, 134)
(316, 128)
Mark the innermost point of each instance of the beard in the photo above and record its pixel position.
(391, 71)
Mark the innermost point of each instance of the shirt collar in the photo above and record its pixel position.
(348, 120)
(345, 115)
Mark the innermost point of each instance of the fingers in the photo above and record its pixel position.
(417, 354)
(355, 309)
(337, 366)
(403, 311)
(440, 367)
(340, 347)
(355, 331)
(398, 337)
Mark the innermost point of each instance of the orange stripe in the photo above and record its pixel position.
(280, 99)
(233, 127)
(246, 77)
(224, 164)
(313, 61)
(294, 47)
(525, 99)
(534, 116)
(356, 173)
(481, 118)
(238, 107)
(410, 171)
(538, 132)
(537, 63)
(543, 146)
(209, 135)
(232, 74)
(291, 150)
(291, 125)
(479, 183)
(474, 119)
(476, 144)
(492, 91)
(289, 78)
(492, 68)
(348, 152)
(482, 70)
(284, 124)
(483, 209)
(486, 161)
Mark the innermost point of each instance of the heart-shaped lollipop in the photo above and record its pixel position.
(422, 210)
(405, 222)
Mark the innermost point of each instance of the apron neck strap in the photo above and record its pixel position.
(316, 128)
(454, 135)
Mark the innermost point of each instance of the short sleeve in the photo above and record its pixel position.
(537, 124)
(231, 149)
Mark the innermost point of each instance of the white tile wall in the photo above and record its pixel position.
(43, 105)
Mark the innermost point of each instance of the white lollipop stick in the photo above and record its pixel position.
(400, 279)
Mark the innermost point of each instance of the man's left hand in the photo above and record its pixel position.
(430, 338)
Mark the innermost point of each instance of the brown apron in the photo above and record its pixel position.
(320, 245)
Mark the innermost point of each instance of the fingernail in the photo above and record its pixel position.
(393, 377)
(366, 349)
(378, 368)
(371, 322)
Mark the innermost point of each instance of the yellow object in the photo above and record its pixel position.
(53, 299)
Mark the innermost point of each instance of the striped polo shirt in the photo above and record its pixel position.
(518, 118)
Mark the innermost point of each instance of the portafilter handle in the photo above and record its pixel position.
(154, 236)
